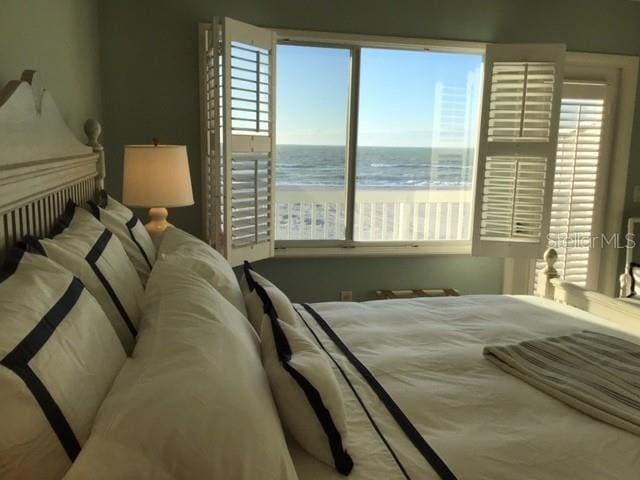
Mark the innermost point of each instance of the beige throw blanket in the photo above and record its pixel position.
(595, 373)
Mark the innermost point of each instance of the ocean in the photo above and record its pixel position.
(377, 167)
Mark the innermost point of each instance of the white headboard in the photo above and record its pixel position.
(42, 163)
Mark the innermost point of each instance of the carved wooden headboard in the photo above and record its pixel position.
(42, 163)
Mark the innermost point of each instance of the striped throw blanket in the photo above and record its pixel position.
(595, 373)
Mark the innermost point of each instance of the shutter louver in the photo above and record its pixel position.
(212, 119)
(516, 155)
(242, 152)
(521, 100)
(513, 189)
(575, 186)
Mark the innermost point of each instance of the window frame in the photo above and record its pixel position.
(349, 246)
(518, 274)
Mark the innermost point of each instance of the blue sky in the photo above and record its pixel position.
(397, 93)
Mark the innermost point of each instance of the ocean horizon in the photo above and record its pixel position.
(410, 168)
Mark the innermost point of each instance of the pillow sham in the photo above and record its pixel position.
(59, 356)
(195, 403)
(305, 388)
(181, 247)
(255, 306)
(92, 253)
(135, 239)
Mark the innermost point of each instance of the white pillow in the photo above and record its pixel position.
(180, 247)
(59, 356)
(93, 254)
(255, 307)
(195, 403)
(130, 231)
(306, 390)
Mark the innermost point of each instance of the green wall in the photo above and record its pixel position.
(321, 279)
(59, 39)
(149, 66)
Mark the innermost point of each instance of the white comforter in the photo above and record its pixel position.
(484, 423)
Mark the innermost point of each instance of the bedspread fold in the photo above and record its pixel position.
(595, 373)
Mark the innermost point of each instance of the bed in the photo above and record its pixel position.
(421, 401)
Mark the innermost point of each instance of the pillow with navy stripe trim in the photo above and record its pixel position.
(305, 388)
(59, 356)
(255, 307)
(92, 253)
(130, 231)
(183, 248)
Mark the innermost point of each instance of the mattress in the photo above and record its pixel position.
(482, 423)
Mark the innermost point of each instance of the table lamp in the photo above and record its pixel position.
(156, 176)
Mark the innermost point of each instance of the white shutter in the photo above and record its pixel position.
(517, 148)
(576, 182)
(239, 139)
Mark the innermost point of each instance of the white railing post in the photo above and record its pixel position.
(428, 210)
(438, 221)
(401, 222)
(448, 222)
(460, 220)
(385, 220)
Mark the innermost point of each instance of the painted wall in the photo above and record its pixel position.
(59, 39)
(149, 71)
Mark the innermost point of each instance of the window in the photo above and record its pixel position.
(417, 117)
(378, 144)
(417, 133)
(311, 132)
(577, 211)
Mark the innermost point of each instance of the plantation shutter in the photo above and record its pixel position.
(238, 88)
(576, 183)
(517, 149)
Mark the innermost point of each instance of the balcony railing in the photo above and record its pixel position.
(380, 214)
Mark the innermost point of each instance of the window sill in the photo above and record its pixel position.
(308, 249)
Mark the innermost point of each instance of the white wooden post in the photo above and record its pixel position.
(93, 129)
(545, 288)
(625, 284)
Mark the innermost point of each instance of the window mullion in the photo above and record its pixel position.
(352, 141)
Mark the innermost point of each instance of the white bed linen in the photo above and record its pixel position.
(485, 424)
(193, 402)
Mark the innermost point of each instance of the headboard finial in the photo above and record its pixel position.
(550, 258)
(93, 129)
(545, 288)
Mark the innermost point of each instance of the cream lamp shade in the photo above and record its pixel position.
(156, 176)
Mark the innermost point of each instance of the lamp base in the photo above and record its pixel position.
(158, 223)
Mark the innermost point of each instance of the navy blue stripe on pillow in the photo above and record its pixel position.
(392, 407)
(95, 211)
(358, 398)
(103, 198)
(130, 226)
(341, 459)
(11, 263)
(92, 258)
(247, 275)
(65, 219)
(18, 361)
